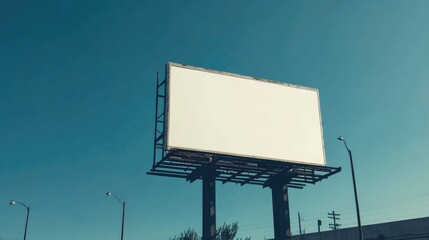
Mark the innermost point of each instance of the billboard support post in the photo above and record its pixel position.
(280, 198)
(209, 202)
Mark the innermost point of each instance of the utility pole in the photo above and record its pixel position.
(335, 226)
(299, 222)
(335, 217)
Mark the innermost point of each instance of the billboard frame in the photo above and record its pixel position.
(206, 70)
(189, 164)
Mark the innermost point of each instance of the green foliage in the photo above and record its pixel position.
(225, 232)
(189, 234)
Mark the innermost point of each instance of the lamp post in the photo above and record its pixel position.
(354, 187)
(13, 203)
(123, 212)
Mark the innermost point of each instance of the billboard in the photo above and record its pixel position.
(223, 113)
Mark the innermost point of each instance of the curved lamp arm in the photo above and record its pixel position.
(345, 143)
(13, 203)
(112, 194)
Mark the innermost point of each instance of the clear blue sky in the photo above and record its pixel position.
(77, 88)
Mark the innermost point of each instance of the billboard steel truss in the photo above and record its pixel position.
(191, 165)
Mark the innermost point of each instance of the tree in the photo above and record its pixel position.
(189, 234)
(225, 232)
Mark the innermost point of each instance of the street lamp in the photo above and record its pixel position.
(123, 212)
(13, 203)
(354, 187)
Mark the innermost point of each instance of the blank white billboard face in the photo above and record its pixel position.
(236, 115)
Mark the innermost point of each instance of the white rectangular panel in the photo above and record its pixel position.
(217, 112)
